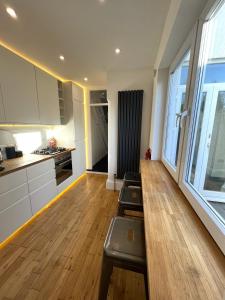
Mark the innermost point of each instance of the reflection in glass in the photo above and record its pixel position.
(206, 168)
(177, 92)
(215, 171)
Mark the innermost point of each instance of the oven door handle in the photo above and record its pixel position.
(64, 163)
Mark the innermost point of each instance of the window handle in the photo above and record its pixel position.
(183, 116)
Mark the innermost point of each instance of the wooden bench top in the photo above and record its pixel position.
(183, 260)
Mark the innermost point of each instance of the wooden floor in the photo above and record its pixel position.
(58, 256)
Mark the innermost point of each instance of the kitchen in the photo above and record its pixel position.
(90, 207)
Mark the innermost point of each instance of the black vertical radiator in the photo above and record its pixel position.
(129, 131)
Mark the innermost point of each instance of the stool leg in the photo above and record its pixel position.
(107, 269)
(146, 285)
(120, 211)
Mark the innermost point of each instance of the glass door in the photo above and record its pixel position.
(177, 92)
(202, 171)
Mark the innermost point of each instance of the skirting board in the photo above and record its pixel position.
(110, 184)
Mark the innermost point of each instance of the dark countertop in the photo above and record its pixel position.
(15, 164)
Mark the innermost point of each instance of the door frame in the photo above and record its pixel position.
(189, 44)
(90, 105)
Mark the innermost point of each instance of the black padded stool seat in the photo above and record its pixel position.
(130, 198)
(124, 248)
(132, 178)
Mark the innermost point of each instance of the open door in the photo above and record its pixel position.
(177, 101)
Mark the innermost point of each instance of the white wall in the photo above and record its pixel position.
(120, 81)
(158, 117)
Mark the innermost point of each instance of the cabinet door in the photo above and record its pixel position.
(18, 85)
(78, 108)
(12, 181)
(47, 89)
(79, 159)
(13, 217)
(40, 169)
(41, 197)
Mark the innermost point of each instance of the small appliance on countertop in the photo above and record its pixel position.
(11, 152)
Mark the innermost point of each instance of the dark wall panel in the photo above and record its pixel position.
(129, 131)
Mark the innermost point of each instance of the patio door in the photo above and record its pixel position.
(207, 170)
(202, 167)
(176, 112)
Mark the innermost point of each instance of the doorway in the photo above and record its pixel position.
(99, 130)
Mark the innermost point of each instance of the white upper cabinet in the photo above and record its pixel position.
(78, 112)
(78, 108)
(47, 90)
(18, 88)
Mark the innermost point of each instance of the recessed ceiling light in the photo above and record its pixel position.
(85, 79)
(117, 50)
(61, 57)
(11, 12)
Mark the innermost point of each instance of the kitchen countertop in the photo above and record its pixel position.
(27, 160)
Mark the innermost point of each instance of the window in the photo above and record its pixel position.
(176, 99)
(205, 171)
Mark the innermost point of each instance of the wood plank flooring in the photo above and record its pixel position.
(58, 256)
(184, 262)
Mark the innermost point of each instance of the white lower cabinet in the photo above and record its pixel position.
(23, 193)
(14, 216)
(40, 169)
(15, 207)
(78, 159)
(11, 197)
(41, 184)
(40, 181)
(42, 196)
(12, 181)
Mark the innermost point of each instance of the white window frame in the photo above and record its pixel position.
(209, 216)
(189, 44)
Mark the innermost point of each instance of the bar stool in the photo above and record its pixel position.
(130, 198)
(132, 178)
(124, 248)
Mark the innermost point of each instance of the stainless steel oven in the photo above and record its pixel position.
(63, 167)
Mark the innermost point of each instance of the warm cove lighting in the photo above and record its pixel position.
(11, 12)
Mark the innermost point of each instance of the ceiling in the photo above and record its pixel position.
(86, 32)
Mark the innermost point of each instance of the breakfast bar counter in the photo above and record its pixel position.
(183, 260)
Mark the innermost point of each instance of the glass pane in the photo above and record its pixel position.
(98, 97)
(206, 168)
(177, 92)
(215, 171)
